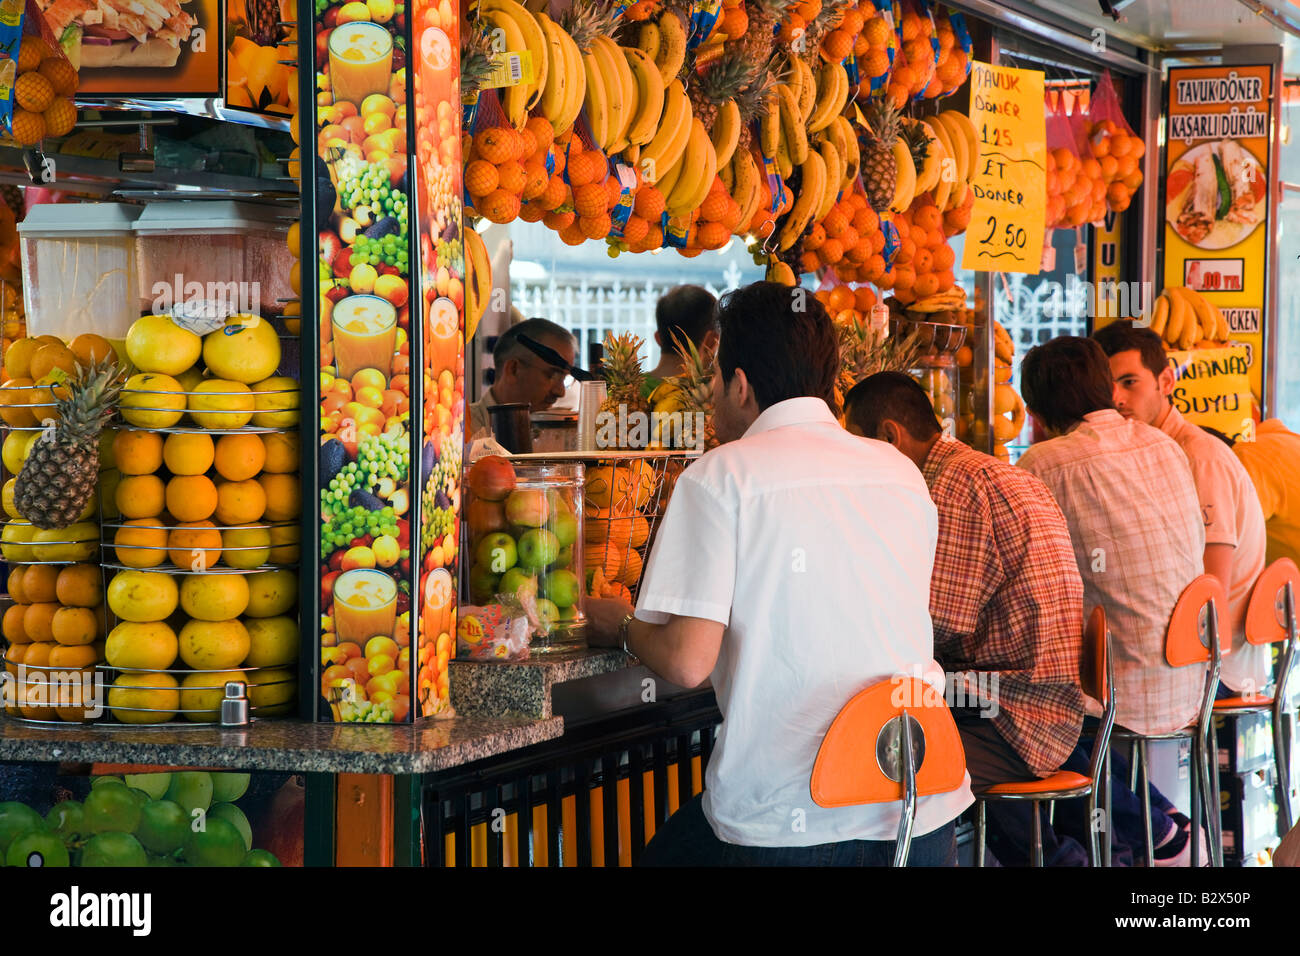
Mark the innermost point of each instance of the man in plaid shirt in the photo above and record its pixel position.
(1006, 601)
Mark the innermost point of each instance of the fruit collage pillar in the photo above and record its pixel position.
(359, 199)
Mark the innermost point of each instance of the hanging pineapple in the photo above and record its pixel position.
(61, 472)
(475, 61)
(585, 22)
(879, 167)
(623, 375)
(765, 17)
(691, 392)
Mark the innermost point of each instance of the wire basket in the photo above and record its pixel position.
(214, 421)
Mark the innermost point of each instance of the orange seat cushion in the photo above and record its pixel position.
(1061, 780)
(1226, 703)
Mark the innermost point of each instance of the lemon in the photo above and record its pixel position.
(214, 597)
(190, 378)
(144, 698)
(14, 450)
(147, 646)
(14, 540)
(284, 543)
(271, 692)
(155, 343)
(277, 402)
(76, 542)
(147, 401)
(7, 497)
(213, 645)
(201, 694)
(246, 350)
(246, 548)
(272, 641)
(271, 593)
(217, 403)
(142, 595)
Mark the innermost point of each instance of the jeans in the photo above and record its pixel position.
(687, 839)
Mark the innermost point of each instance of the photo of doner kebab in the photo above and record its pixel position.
(99, 34)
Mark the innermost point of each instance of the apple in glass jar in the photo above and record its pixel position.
(527, 508)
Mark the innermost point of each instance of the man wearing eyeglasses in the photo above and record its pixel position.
(532, 361)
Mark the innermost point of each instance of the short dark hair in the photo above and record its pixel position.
(689, 311)
(891, 396)
(783, 339)
(508, 345)
(1124, 336)
(1065, 379)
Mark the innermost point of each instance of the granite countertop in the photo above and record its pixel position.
(283, 745)
(523, 689)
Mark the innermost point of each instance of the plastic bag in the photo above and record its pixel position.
(27, 42)
(919, 43)
(1117, 149)
(875, 61)
(494, 632)
(1063, 165)
(954, 64)
(1089, 171)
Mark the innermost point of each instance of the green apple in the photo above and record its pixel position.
(497, 552)
(565, 558)
(547, 613)
(562, 587)
(538, 548)
(565, 526)
(483, 583)
(527, 507)
(568, 613)
(514, 579)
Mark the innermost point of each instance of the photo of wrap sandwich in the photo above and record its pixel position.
(131, 34)
(1215, 194)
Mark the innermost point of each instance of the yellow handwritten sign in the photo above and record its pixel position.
(1213, 389)
(1010, 179)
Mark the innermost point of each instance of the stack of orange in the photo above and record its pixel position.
(1078, 188)
(848, 239)
(796, 21)
(840, 43)
(43, 93)
(917, 68)
(506, 167)
(876, 41)
(845, 304)
(1118, 155)
(578, 209)
(719, 217)
(923, 264)
(950, 71)
(643, 231)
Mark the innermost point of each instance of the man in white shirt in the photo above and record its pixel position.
(792, 567)
(1235, 538)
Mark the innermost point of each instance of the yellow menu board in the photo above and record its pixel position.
(1216, 194)
(1010, 211)
(1212, 389)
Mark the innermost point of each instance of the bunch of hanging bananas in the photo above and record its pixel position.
(478, 281)
(1185, 319)
(521, 31)
(953, 158)
(565, 88)
(625, 97)
(664, 41)
(679, 159)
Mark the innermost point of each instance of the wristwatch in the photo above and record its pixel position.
(622, 631)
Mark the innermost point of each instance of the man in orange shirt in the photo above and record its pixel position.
(1273, 462)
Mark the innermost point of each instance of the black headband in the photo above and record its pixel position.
(552, 357)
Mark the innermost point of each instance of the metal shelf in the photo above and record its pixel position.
(214, 109)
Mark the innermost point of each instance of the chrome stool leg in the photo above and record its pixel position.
(1036, 859)
(1146, 799)
(1199, 788)
(979, 833)
(1106, 848)
(1213, 811)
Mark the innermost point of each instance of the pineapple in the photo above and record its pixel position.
(752, 100)
(865, 351)
(623, 374)
(695, 385)
(588, 20)
(830, 16)
(879, 168)
(475, 60)
(765, 18)
(918, 144)
(62, 469)
(721, 81)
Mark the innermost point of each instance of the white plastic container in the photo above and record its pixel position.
(79, 269)
(231, 252)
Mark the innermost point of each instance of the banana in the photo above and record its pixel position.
(598, 109)
(632, 156)
(778, 271)
(620, 92)
(648, 40)
(947, 184)
(663, 151)
(650, 97)
(1160, 314)
(810, 196)
(834, 176)
(769, 131)
(1191, 334)
(728, 178)
(555, 95)
(905, 182)
(928, 176)
(534, 42)
(957, 145)
(853, 154)
(1222, 332)
(745, 173)
(832, 93)
(784, 163)
(792, 126)
(962, 124)
(672, 46)
(571, 65)
(807, 88)
(668, 181)
(514, 99)
(1204, 315)
(1179, 315)
(479, 287)
(726, 132)
(700, 168)
(793, 77)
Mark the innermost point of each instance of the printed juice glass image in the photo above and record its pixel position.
(365, 334)
(365, 605)
(361, 60)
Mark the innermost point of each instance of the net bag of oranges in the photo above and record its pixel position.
(37, 81)
(1113, 144)
(1069, 192)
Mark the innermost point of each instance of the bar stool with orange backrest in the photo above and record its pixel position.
(1270, 618)
(1194, 636)
(894, 741)
(1098, 683)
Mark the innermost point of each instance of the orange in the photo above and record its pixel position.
(188, 453)
(283, 497)
(74, 625)
(79, 585)
(141, 543)
(38, 654)
(72, 656)
(16, 593)
(140, 496)
(195, 545)
(39, 583)
(191, 497)
(239, 456)
(60, 74)
(12, 626)
(240, 502)
(50, 357)
(480, 178)
(38, 621)
(34, 92)
(31, 54)
(841, 298)
(137, 452)
(89, 348)
(281, 451)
